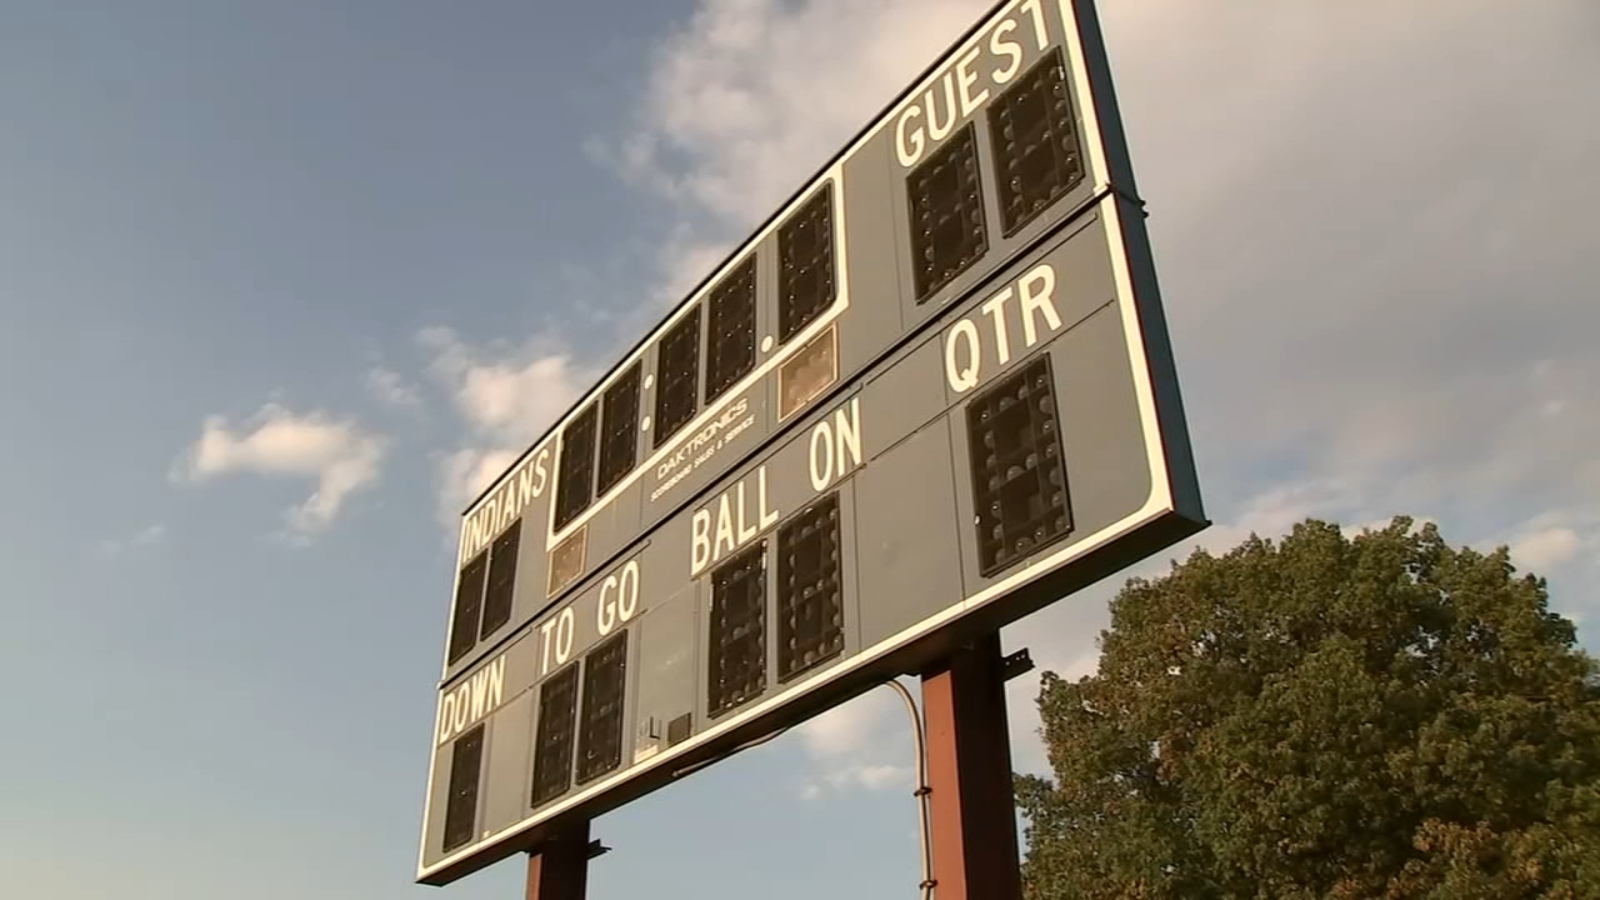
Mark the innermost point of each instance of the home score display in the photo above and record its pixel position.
(930, 395)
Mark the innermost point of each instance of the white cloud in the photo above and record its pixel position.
(686, 257)
(848, 778)
(339, 455)
(464, 473)
(752, 96)
(873, 777)
(505, 396)
(877, 778)
(1354, 501)
(393, 390)
(150, 534)
(851, 728)
(864, 744)
(1546, 547)
(1564, 540)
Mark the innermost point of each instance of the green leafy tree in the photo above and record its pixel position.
(1324, 718)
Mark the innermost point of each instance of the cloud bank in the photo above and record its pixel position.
(505, 398)
(337, 455)
(148, 536)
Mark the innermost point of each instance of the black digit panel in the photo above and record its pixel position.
(806, 276)
(1019, 481)
(678, 377)
(575, 489)
(619, 429)
(738, 630)
(810, 589)
(500, 594)
(552, 762)
(1035, 137)
(948, 233)
(605, 672)
(731, 326)
(461, 806)
(469, 606)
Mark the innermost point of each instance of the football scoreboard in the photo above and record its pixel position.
(930, 395)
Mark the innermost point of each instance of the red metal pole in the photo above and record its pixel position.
(973, 810)
(559, 869)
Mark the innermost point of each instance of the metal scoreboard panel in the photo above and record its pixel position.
(866, 193)
(891, 459)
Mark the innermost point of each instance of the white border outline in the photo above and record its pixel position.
(1073, 43)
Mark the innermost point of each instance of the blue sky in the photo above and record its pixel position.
(281, 282)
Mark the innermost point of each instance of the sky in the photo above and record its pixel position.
(282, 283)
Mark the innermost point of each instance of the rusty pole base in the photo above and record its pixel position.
(559, 868)
(973, 809)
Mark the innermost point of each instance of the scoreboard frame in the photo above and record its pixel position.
(1096, 225)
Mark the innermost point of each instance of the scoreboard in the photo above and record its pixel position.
(930, 395)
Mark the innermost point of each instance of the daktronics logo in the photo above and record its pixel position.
(691, 447)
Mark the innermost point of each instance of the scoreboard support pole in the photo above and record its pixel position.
(972, 804)
(559, 868)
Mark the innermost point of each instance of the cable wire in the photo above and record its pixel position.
(921, 793)
(679, 773)
(923, 790)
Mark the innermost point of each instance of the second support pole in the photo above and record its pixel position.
(559, 869)
(973, 810)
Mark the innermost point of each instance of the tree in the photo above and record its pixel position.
(1325, 718)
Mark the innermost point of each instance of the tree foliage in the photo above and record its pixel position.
(1324, 718)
